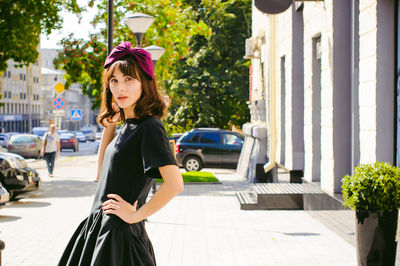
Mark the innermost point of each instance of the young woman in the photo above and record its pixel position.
(114, 233)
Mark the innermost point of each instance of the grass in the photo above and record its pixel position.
(200, 177)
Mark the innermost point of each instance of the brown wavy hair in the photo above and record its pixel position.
(152, 101)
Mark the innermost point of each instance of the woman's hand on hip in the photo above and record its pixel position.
(118, 206)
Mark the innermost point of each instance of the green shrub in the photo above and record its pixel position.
(372, 187)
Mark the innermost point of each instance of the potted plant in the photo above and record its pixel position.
(373, 191)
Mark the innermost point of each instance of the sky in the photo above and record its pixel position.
(70, 24)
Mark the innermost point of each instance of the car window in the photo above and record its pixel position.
(22, 139)
(210, 138)
(231, 139)
(67, 136)
(190, 138)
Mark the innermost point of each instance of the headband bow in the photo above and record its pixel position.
(142, 56)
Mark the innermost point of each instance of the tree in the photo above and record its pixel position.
(22, 21)
(210, 87)
(174, 24)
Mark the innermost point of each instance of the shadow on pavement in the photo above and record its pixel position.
(66, 189)
(6, 218)
(29, 204)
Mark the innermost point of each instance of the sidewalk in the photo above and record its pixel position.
(202, 226)
(205, 226)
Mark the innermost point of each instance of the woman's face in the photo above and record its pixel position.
(126, 91)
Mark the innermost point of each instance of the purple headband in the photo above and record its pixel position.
(142, 56)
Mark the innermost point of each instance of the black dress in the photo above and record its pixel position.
(130, 163)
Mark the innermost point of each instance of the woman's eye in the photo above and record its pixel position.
(129, 79)
(113, 80)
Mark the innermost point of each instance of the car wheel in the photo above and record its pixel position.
(74, 149)
(192, 163)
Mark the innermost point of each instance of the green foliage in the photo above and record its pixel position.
(203, 177)
(22, 21)
(83, 60)
(372, 187)
(202, 69)
(210, 86)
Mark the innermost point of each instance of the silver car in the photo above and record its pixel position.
(26, 145)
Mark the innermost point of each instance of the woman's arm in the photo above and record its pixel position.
(106, 138)
(172, 185)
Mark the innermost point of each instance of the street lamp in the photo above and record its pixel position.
(156, 52)
(138, 23)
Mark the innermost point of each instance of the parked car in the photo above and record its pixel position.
(208, 147)
(69, 141)
(98, 135)
(40, 131)
(16, 176)
(61, 131)
(4, 140)
(26, 145)
(4, 195)
(176, 136)
(89, 133)
(80, 136)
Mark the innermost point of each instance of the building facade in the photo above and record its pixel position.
(73, 97)
(325, 72)
(20, 97)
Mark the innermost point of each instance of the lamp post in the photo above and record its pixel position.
(138, 23)
(110, 20)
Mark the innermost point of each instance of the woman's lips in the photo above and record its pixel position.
(122, 98)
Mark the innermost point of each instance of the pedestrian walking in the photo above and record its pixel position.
(114, 232)
(50, 148)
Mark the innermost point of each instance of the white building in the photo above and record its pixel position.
(323, 89)
(73, 97)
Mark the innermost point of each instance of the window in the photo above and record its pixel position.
(231, 139)
(9, 94)
(192, 138)
(20, 76)
(9, 74)
(5, 94)
(24, 77)
(210, 138)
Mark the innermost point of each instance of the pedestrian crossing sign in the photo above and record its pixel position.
(76, 114)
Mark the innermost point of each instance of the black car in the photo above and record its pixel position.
(16, 176)
(207, 147)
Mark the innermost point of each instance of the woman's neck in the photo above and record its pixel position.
(129, 113)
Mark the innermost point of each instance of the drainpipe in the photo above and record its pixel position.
(272, 97)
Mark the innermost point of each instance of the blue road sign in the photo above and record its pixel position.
(76, 114)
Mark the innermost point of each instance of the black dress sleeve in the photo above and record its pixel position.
(156, 150)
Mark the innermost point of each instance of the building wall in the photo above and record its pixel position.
(376, 80)
(324, 123)
(318, 111)
(20, 94)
